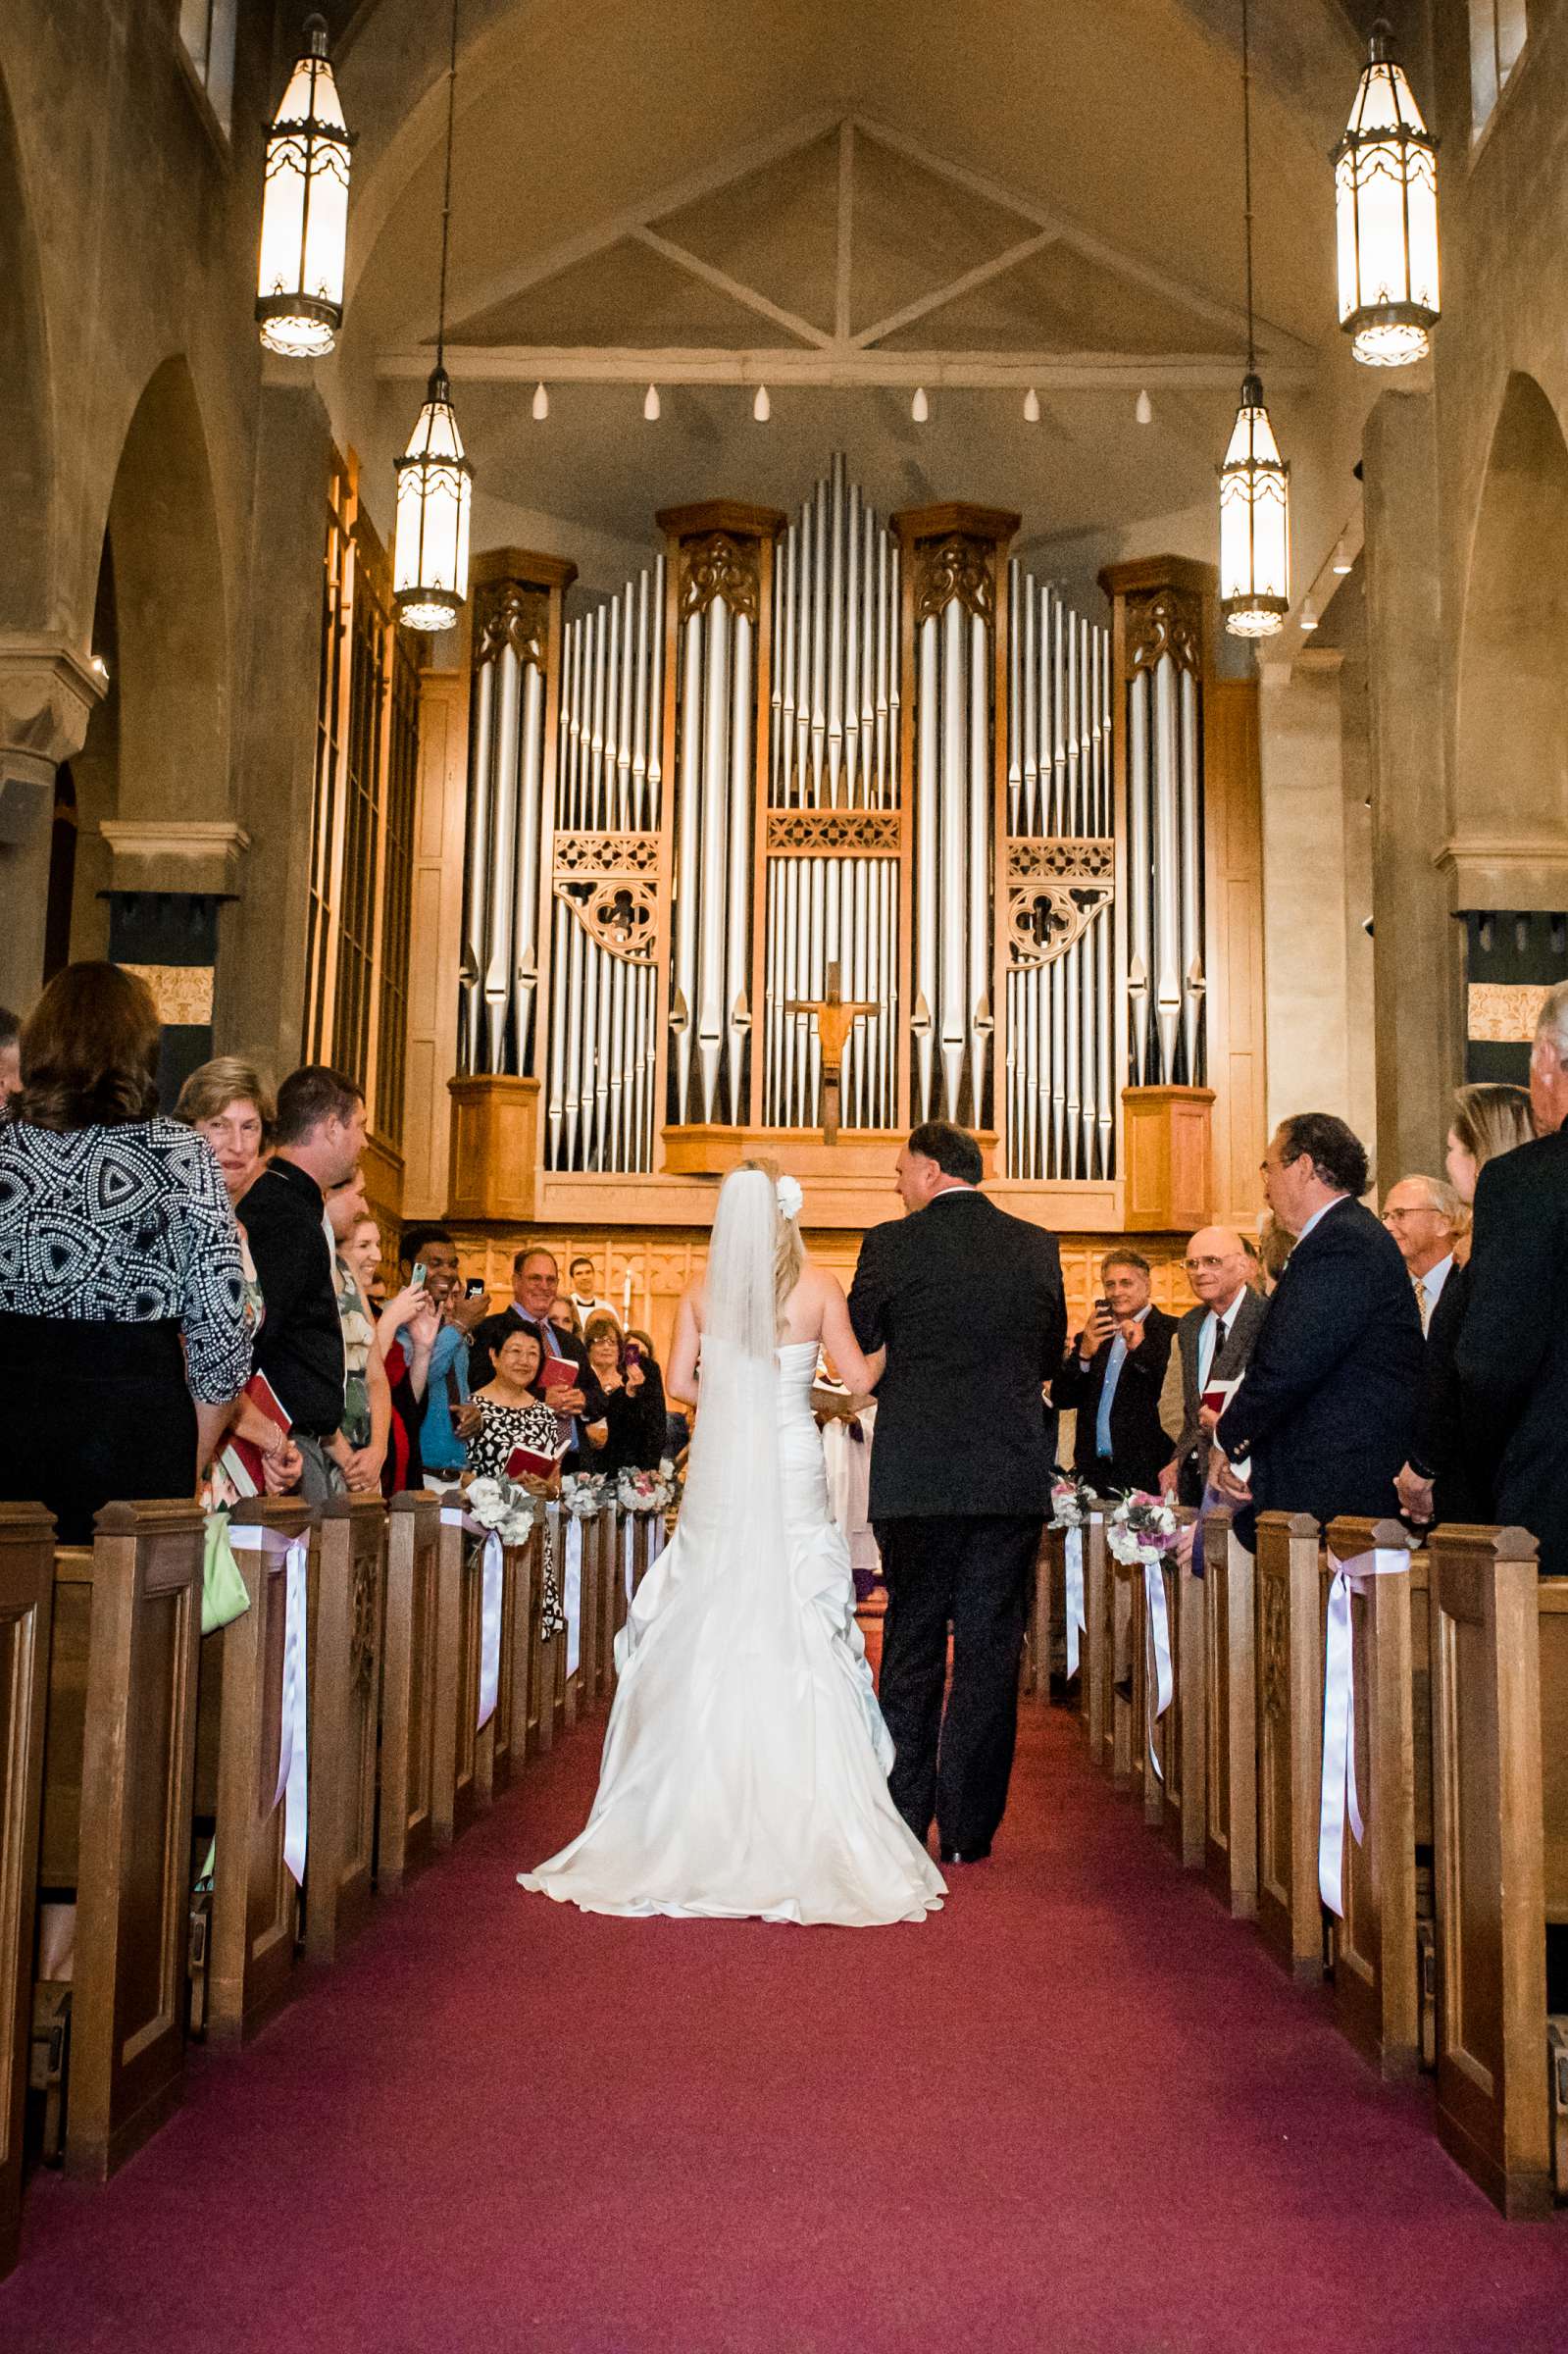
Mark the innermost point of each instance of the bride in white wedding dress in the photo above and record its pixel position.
(745, 1762)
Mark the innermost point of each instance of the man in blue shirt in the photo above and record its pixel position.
(1113, 1376)
(448, 1418)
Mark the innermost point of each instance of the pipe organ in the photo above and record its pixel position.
(828, 743)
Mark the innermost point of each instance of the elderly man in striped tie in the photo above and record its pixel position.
(1425, 1218)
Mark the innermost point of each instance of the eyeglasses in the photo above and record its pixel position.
(1205, 1267)
(1397, 1217)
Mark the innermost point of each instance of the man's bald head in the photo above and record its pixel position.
(1217, 1266)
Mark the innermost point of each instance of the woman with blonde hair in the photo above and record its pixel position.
(1440, 1482)
(745, 1764)
(227, 1101)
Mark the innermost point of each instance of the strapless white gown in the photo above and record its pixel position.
(745, 1761)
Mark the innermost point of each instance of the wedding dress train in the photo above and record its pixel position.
(744, 1771)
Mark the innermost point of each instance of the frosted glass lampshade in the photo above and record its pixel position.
(434, 499)
(1386, 214)
(1255, 522)
(304, 234)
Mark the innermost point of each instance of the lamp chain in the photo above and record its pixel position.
(1246, 179)
(446, 195)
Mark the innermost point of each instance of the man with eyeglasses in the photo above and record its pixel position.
(1213, 1343)
(1327, 1408)
(1425, 1218)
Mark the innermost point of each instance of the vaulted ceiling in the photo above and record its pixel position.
(842, 198)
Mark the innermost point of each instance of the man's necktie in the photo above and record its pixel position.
(1423, 1304)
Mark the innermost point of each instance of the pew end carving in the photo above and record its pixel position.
(27, 1605)
(1289, 1740)
(405, 1839)
(1500, 1638)
(347, 1605)
(1229, 1644)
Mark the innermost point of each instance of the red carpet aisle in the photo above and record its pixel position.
(1077, 2110)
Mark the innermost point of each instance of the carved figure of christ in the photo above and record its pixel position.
(836, 1016)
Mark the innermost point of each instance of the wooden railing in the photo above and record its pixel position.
(144, 1816)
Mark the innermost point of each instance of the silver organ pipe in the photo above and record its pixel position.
(476, 890)
(683, 972)
(499, 944)
(981, 881)
(525, 958)
(1167, 785)
(1193, 974)
(737, 942)
(709, 877)
(1139, 879)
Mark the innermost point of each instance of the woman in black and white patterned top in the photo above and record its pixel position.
(124, 1337)
(516, 1415)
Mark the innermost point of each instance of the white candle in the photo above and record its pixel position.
(625, 1317)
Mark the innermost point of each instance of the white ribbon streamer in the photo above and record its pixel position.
(1077, 1623)
(1339, 1796)
(493, 1576)
(628, 1530)
(655, 1537)
(1159, 1641)
(572, 1593)
(293, 1720)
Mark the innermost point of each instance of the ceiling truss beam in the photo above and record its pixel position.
(836, 367)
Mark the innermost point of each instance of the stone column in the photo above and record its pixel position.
(1415, 944)
(47, 693)
(1304, 885)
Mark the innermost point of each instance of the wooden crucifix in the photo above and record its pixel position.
(836, 1017)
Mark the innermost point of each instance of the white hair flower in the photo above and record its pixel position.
(790, 1197)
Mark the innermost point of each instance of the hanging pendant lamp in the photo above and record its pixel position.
(434, 480)
(1386, 214)
(1254, 480)
(304, 229)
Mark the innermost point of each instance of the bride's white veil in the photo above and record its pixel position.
(732, 1493)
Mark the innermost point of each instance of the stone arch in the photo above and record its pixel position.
(1511, 769)
(157, 746)
(27, 545)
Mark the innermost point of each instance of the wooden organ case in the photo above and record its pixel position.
(655, 828)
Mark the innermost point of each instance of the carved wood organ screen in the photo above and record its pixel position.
(833, 740)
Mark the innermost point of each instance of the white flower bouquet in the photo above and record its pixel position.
(500, 1504)
(1142, 1528)
(584, 1493)
(647, 1491)
(1072, 1501)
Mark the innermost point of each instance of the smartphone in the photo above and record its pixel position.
(633, 1352)
(473, 1288)
(1102, 1308)
(417, 1279)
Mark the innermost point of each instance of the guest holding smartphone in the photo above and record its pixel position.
(633, 1407)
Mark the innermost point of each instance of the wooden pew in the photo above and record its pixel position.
(455, 1790)
(1230, 1650)
(1179, 1735)
(1377, 1993)
(611, 1583)
(1499, 1697)
(1290, 1739)
(348, 1608)
(119, 1775)
(1109, 1610)
(27, 1605)
(523, 1573)
(1047, 1610)
(1094, 1681)
(404, 1822)
(252, 1938)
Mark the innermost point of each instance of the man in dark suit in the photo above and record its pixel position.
(1113, 1376)
(1326, 1410)
(535, 1281)
(1512, 1355)
(968, 1304)
(1213, 1343)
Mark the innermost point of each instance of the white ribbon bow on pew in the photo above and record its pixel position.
(572, 1592)
(1339, 1796)
(1077, 1623)
(491, 1575)
(293, 1722)
(1159, 1637)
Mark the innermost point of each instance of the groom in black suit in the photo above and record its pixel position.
(968, 1307)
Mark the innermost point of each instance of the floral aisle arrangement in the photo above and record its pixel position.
(499, 1504)
(1143, 1529)
(584, 1493)
(1072, 1505)
(647, 1491)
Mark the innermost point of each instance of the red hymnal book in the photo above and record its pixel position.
(560, 1373)
(241, 1459)
(527, 1462)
